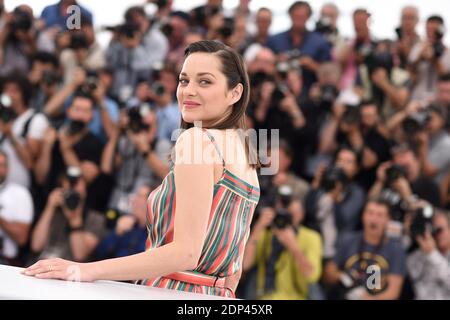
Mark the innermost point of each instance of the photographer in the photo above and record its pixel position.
(159, 93)
(284, 176)
(129, 60)
(335, 201)
(72, 145)
(83, 50)
(140, 157)
(354, 53)
(22, 129)
(17, 40)
(327, 25)
(95, 84)
(317, 110)
(275, 104)
(153, 41)
(429, 59)
(380, 80)
(404, 176)
(429, 265)
(443, 96)
(16, 215)
(67, 228)
(358, 127)
(434, 145)
(44, 77)
(367, 264)
(287, 255)
(313, 47)
(407, 36)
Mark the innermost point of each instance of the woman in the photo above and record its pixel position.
(215, 200)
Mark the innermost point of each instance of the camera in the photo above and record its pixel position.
(351, 115)
(279, 93)
(136, 115)
(416, 122)
(399, 33)
(282, 217)
(72, 198)
(422, 221)
(6, 112)
(328, 94)
(383, 60)
(158, 88)
(50, 78)
(91, 82)
(78, 41)
(393, 173)
(324, 26)
(75, 127)
(397, 206)
(21, 21)
(228, 27)
(331, 177)
(438, 46)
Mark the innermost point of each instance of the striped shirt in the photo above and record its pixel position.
(233, 205)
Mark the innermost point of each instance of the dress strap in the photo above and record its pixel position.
(211, 137)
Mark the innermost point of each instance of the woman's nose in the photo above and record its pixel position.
(189, 90)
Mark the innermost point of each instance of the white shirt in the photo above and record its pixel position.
(18, 173)
(16, 205)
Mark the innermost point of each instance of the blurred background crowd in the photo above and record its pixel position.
(359, 206)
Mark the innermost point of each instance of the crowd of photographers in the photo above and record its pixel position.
(359, 206)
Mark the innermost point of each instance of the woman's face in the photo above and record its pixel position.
(202, 92)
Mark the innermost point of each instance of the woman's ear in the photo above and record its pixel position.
(236, 93)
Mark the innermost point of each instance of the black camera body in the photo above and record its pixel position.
(416, 122)
(331, 177)
(328, 95)
(50, 78)
(72, 198)
(158, 88)
(78, 40)
(438, 46)
(393, 173)
(351, 115)
(7, 114)
(21, 21)
(136, 115)
(282, 217)
(422, 221)
(323, 26)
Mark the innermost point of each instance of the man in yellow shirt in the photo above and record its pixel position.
(287, 257)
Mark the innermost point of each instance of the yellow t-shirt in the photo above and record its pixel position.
(290, 283)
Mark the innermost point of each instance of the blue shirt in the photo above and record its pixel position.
(52, 15)
(168, 118)
(313, 45)
(353, 253)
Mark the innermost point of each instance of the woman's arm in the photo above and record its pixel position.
(194, 184)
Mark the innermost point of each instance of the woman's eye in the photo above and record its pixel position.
(205, 82)
(182, 81)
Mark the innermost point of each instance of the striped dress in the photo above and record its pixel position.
(233, 205)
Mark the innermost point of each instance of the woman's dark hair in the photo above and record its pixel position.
(233, 67)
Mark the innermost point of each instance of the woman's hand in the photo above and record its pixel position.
(61, 269)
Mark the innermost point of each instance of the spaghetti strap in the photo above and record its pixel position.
(211, 137)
